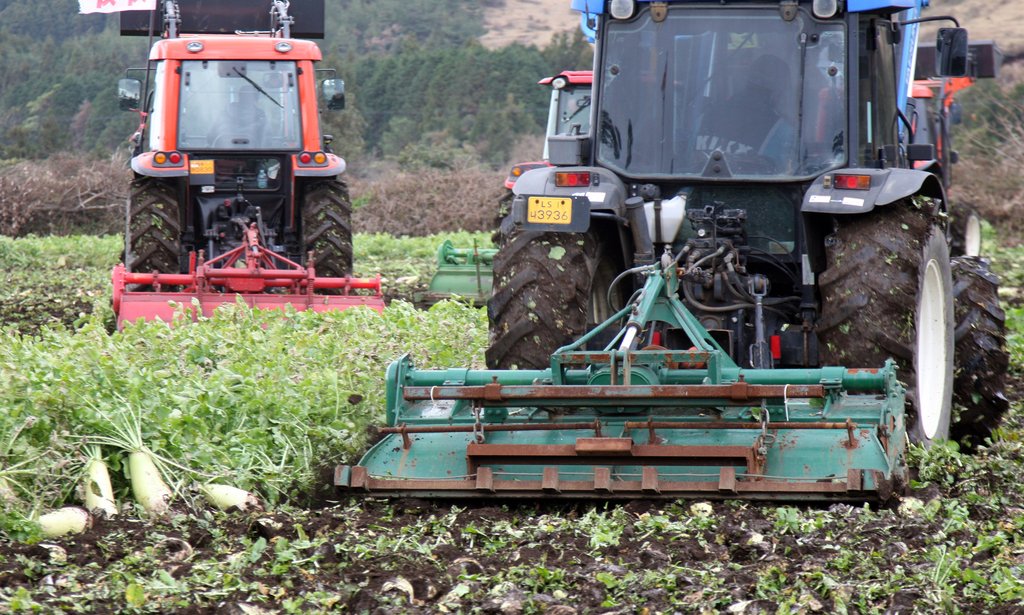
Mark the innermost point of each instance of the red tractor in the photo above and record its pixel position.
(236, 191)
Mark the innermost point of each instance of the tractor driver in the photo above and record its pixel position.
(242, 123)
(756, 127)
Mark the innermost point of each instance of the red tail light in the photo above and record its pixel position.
(167, 159)
(853, 182)
(572, 180)
(313, 159)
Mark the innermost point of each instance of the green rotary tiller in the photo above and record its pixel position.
(461, 272)
(637, 420)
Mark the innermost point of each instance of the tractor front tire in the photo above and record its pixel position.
(981, 356)
(887, 292)
(327, 227)
(548, 287)
(152, 228)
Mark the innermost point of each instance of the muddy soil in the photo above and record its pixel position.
(416, 556)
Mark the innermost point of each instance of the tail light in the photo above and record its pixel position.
(572, 180)
(852, 182)
(312, 159)
(168, 159)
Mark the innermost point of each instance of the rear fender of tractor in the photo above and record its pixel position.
(606, 192)
(887, 186)
(144, 165)
(606, 196)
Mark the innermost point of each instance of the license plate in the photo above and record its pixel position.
(200, 167)
(549, 210)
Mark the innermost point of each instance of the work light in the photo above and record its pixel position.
(622, 9)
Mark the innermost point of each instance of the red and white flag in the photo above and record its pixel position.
(115, 6)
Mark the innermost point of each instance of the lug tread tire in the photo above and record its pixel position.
(542, 285)
(327, 227)
(869, 294)
(982, 357)
(153, 239)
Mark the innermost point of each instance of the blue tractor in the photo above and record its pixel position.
(734, 284)
(768, 142)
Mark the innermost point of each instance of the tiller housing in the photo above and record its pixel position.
(639, 419)
(249, 273)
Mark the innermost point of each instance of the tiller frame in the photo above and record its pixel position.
(250, 273)
(627, 422)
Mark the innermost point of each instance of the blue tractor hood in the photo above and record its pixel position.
(597, 7)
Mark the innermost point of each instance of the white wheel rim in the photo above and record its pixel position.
(598, 304)
(972, 237)
(932, 351)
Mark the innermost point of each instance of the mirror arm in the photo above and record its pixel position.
(936, 18)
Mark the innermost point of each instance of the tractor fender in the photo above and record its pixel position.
(606, 191)
(143, 164)
(566, 209)
(333, 166)
(604, 203)
(886, 186)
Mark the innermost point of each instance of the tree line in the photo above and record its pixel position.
(421, 89)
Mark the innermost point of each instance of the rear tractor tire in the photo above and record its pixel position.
(965, 232)
(887, 292)
(549, 288)
(152, 228)
(327, 227)
(981, 356)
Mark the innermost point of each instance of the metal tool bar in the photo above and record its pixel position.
(696, 424)
(737, 391)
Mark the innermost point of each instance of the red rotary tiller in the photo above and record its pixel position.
(250, 273)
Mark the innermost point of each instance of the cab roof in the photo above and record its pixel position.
(234, 47)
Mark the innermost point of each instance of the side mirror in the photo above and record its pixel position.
(951, 48)
(129, 94)
(332, 94)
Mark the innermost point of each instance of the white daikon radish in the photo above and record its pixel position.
(99, 495)
(226, 497)
(148, 487)
(67, 520)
